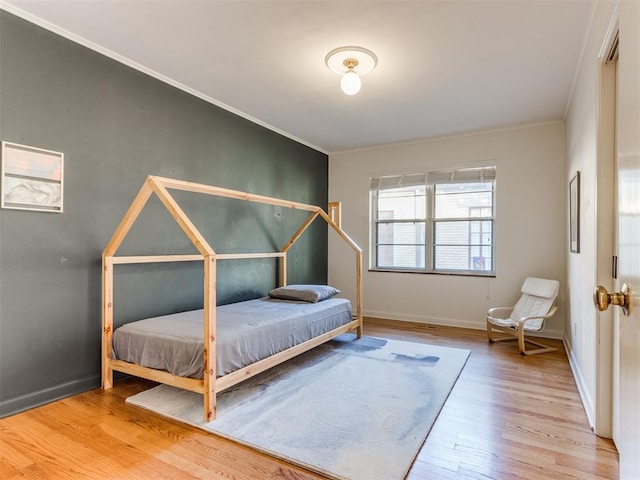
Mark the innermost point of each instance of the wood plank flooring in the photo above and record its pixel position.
(508, 417)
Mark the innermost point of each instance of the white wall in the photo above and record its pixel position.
(583, 273)
(530, 230)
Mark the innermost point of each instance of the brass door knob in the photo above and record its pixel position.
(602, 298)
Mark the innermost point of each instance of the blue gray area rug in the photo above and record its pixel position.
(348, 409)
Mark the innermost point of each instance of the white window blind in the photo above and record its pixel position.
(460, 175)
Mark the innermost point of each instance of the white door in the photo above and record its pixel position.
(627, 437)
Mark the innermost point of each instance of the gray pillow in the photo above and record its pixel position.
(304, 293)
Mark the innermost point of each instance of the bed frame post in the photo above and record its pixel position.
(209, 338)
(283, 271)
(334, 218)
(335, 213)
(107, 278)
(107, 320)
(359, 330)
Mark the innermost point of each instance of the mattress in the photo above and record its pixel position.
(245, 333)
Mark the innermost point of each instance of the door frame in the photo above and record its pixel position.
(606, 211)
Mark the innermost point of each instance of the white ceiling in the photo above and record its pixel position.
(445, 67)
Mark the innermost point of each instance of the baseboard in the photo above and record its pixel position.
(452, 322)
(47, 395)
(587, 401)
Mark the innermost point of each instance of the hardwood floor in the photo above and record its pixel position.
(508, 417)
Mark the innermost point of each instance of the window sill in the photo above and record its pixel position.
(450, 274)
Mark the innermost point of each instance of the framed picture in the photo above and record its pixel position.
(574, 213)
(31, 178)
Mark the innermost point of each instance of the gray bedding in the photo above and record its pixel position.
(246, 332)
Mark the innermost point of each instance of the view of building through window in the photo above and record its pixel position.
(401, 240)
(440, 227)
(463, 221)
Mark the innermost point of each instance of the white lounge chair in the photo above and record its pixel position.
(536, 304)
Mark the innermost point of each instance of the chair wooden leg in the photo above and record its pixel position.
(521, 345)
(519, 336)
(491, 329)
(543, 348)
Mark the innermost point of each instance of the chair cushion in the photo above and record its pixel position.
(528, 306)
(534, 325)
(541, 287)
(503, 322)
(538, 297)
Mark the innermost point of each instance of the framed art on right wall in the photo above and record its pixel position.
(574, 214)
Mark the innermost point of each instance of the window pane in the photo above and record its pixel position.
(463, 200)
(402, 203)
(401, 245)
(481, 259)
(401, 233)
(452, 233)
(463, 233)
(464, 187)
(401, 256)
(481, 233)
(463, 258)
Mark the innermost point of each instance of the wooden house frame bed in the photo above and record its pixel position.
(210, 385)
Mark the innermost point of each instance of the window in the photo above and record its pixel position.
(441, 222)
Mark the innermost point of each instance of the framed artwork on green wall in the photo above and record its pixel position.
(31, 178)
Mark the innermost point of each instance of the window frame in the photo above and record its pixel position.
(430, 223)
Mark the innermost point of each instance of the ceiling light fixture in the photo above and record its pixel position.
(351, 62)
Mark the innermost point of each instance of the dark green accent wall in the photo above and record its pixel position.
(115, 126)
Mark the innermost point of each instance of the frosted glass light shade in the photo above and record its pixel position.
(350, 83)
(350, 63)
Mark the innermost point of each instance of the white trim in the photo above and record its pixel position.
(605, 406)
(446, 322)
(583, 49)
(583, 391)
(152, 73)
(612, 33)
(450, 322)
(604, 217)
